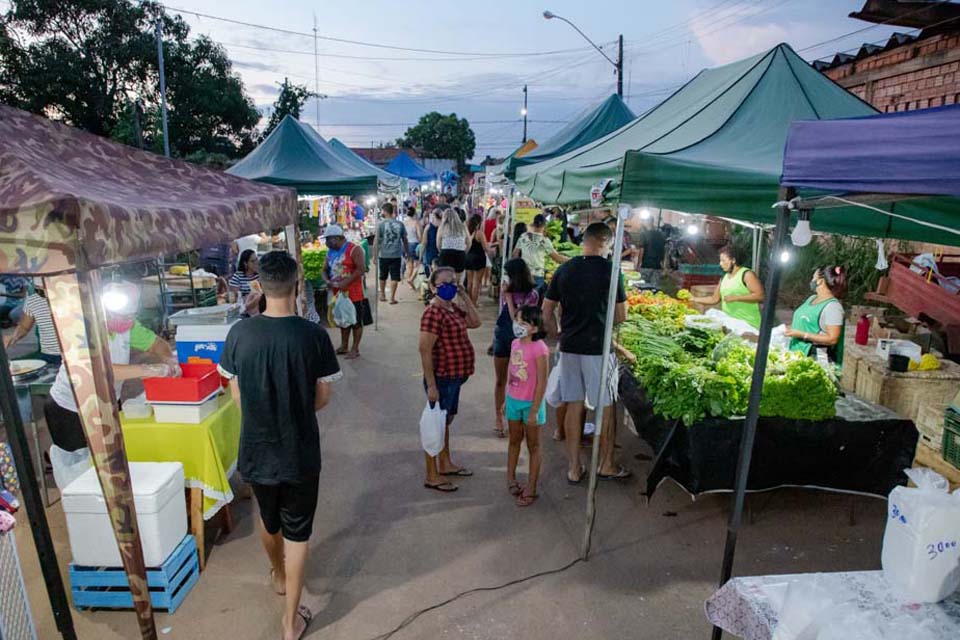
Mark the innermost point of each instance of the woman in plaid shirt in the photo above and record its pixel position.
(448, 360)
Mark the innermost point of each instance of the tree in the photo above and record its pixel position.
(442, 136)
(87, 62)
(291, 100)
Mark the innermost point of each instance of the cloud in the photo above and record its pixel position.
(257, 66)
(738, 41)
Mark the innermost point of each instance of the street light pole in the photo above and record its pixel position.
(618, 64)
(523, 112)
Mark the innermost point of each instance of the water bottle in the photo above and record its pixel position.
(863, 329)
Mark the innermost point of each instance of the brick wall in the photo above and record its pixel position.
(921, 74)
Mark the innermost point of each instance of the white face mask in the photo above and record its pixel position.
(505, 280)
(519, 330)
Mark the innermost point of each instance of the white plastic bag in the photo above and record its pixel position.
(433, 426)
(552, 393)
(853, 625)
(68, 465)
(921, 543)
(807, 606)
(344, 311)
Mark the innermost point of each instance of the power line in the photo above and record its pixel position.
(410, 124)
(375, 45)
(879, 24)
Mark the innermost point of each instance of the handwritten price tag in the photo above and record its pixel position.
(936, 548)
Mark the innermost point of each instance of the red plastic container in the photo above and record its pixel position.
(199, 381)
(863, 329)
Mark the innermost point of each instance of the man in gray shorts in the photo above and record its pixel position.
(580, 287)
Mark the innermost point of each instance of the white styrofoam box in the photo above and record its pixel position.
(203, 341)
(158, 494)
(185, 413)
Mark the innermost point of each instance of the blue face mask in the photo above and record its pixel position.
(447, 291)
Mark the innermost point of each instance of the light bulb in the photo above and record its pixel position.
(801, 235)
(785, 256)
(692, 229)
(114, 300)
(523, 111)
(645, 214)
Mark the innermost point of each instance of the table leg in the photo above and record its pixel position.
(196, 522)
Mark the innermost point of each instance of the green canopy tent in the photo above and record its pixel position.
(294, 155)
(608, 116)
(387, 182)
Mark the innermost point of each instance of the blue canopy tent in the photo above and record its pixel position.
(406, 167)
(909, 161)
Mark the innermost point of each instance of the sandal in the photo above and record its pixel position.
(443, 487)
(463, 473)
(306, 615)
(583, 471)
(342, 351)
(514, 488)
(621, 475)
(527, 499)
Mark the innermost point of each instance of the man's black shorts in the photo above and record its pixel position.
(288, 507)
(390, 266)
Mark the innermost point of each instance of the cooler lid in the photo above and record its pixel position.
(154, 484)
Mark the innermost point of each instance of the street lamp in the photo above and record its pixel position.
(618, 65)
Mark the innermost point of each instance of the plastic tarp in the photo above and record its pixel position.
(388, 181)
(912, 152)
(608, 116)
(294, 155)
(406, 167)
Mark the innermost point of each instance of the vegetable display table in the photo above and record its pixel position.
(748, 607)
(208, 452)
(863, 450)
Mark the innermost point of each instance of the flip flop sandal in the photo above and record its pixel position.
(514, 488)
(621, 475)
(443, 487)
(394, 302)
(501, 433)
(306, 615)
(463, 473)
(342, 352)
(583, 471)
(525, 500)
(274, 585)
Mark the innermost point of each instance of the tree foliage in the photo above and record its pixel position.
(290, 101)
(87, 62)
(441, 136)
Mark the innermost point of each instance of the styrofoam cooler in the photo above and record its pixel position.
(201, 341)
(158, 493)
(185, 412)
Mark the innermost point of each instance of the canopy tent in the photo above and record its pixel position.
(387, 181)
(715, 147)
(406, 167)
(495, 171)
(73, 202)
(607, 117)
(912, 152)
(294, 155)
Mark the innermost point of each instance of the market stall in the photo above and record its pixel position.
(406, 167)
(74, 203)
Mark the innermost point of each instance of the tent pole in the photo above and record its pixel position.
(81, 327)
(376, 271)
(604, 372)
(772, 288)
(755, 256)
(31, 498)
(507, 236)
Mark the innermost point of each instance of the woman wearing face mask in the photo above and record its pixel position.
(739, 292)
(518, 290)
(448, 359)
(818, 322)
(125, 333)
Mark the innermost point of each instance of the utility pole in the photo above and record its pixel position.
(316, 70)
(620, 66)
(163, 88)
(523, 112)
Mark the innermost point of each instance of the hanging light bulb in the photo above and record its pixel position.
(645, 214)
(692, 229)
(785, 256)
(802, 235)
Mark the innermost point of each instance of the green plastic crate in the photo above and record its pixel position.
(951, 441)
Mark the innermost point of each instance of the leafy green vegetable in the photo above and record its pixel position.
(314, 261)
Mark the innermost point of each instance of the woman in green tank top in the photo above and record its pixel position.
(740, 291)
(818, 322)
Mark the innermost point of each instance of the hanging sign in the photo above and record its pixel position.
(596, 192)
(525, 210)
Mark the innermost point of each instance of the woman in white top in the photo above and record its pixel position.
(453, 240)
(414, 231)
(36, 313)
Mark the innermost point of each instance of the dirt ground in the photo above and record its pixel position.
(384, 547)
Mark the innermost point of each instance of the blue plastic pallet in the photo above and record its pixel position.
(107, 587)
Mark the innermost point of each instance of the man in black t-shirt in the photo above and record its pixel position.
(280, 368)
(653, 248)
(580, 287)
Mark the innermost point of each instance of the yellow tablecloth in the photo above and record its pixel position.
(208, 451)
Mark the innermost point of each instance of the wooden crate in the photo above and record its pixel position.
(930, 423)
(107, 587)
(904, 392)
(927, 457)
(848, 376)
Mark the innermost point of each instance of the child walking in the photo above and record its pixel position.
(525, 407)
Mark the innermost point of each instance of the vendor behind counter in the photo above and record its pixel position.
(819, 321)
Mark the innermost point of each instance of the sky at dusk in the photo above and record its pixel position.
(479, 55)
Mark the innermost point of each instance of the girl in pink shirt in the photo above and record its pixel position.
(525, 408)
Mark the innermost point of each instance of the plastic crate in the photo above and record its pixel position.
(951, 440)
(197, 383)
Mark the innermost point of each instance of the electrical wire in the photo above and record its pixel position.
(879, 24)
(412, 617)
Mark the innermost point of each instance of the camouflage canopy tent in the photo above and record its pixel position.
(70, 203)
